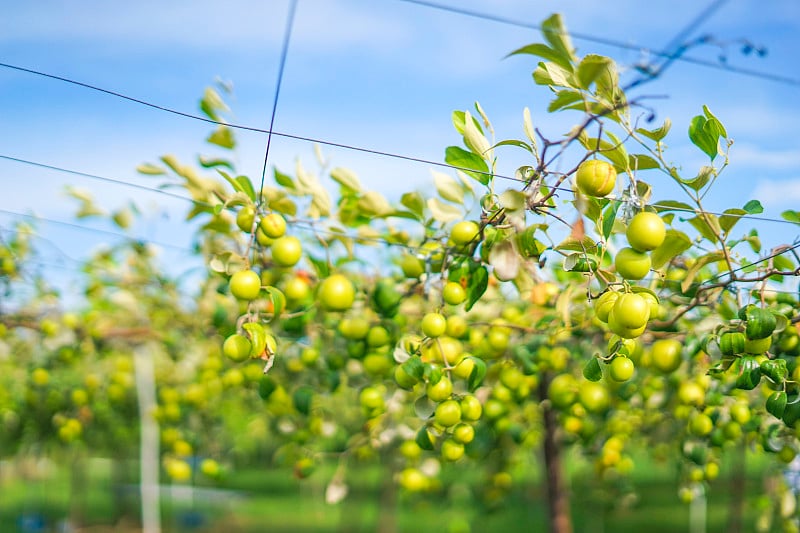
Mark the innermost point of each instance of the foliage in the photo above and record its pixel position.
(557, 283)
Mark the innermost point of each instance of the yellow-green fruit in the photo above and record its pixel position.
(596, 178)
(453, 293)
(621, 369)
(286, 251)
(237, 347)
(471, 408)
(336, 293)
(448, 413)
(245, 285)
(464, 232)
(452, 450)
(434, 325)
(273, 225)
(666, 356)
(622, 331)
(463, 433)
(441, 390)
(631, 311)
(412, 266)
(563, 390)
(646, 231)
(245, 218)
(632, 264)
(604, 304)
(594, 397)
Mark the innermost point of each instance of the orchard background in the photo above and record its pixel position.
(581, 316)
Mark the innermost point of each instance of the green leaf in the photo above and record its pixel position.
(565, 98)
(414, 202)
(703, 177)
(473, 165)
(527, 125)
(448, 188)
(672, 205)
(284, 180)
(302, 399)
(556, 35)
(553, 75)
(545, 52)
(591, 67)
(278, 301)
(478, 373)
(207, 162)
(346, 178)
(730, 217)
(701, 138)
(708, 226)
(753, 207)
(414, 367)
(423, 439)
(222, 136)
(516, 143)
(240, 184)
(657, 134)
(701, 261)
(474, 138)
(609, 216)
(476, 277)
(150, 169)
(791, 216)
(586, 245)
(716, 126)
(592, 370)
(443, 212)
(459, 121)
(642, 162)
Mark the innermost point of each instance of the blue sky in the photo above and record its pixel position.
(384, 75)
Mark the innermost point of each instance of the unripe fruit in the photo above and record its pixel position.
(286, 251)
(621, 369)
(245, 218)
(471, 408)
(412, 266)
(434, 325)
(631, 264)
(441, 391)
(604, 304)
(448, 413)
(631, 311)
(596, 178)
(463, 433)
(245, 285)
(464, 232)
(646, 231)
(666, 355)
(336, 293)
(453, 293)
(273, 225)
(452, 450)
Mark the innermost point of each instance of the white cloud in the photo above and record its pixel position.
(778, 194)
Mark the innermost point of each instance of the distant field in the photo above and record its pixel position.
(254, 500)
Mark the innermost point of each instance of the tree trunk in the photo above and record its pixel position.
(738, 481)
(557, 497)
(78, 490)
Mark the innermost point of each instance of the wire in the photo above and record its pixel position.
(178, 196)
(281, 67)
(96, 230)
(100, 178)
(610, 42)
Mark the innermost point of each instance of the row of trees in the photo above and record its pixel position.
(496, 318)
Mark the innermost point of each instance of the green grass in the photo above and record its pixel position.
(273, 500)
